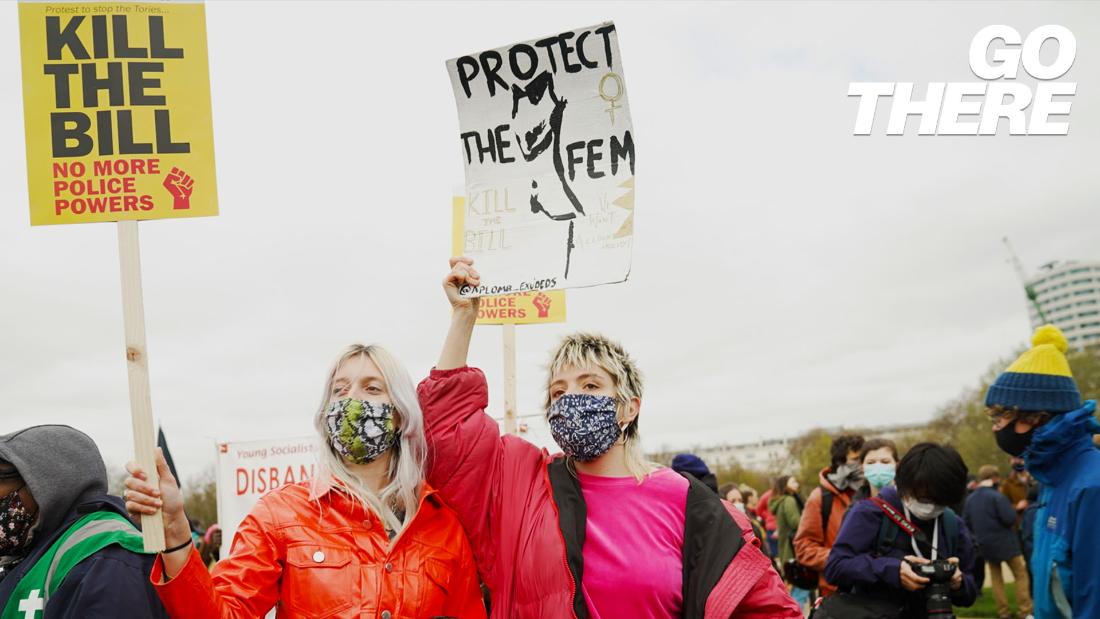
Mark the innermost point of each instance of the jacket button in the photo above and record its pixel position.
(386, 614)
(319, 557)
(389, 567)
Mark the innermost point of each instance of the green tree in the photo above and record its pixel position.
(735, 473)
(810, 453)
(200, 495)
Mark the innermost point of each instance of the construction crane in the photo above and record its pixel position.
(1028, 289)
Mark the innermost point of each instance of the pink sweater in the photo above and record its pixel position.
(633, 547)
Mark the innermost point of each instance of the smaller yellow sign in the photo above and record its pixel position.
(520, 308)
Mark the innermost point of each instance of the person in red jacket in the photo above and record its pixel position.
(365, 538)
(839, 485)
(770, 524)
(596, 532)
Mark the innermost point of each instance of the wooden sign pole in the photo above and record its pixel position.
(137, 366)
(509, 331)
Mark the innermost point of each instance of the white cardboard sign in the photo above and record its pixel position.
(548, 146)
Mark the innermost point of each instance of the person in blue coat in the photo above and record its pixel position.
(991, 518)
(1037, 413)
(872, 557)
(67, 549)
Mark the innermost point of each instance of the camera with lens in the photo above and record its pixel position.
(937, 595)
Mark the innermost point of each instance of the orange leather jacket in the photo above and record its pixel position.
(331, 558)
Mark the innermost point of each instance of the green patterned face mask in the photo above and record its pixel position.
(360, 431)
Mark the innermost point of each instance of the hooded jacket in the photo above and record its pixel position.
(1065, 561)
(813, 540)
(67, 478)
(525, 516)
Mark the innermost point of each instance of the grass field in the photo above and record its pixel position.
(984, 607)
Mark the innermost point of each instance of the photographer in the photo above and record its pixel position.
(877, 559)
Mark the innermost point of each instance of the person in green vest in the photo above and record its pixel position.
(67, 549)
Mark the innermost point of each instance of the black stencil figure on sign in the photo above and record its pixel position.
(543, 136)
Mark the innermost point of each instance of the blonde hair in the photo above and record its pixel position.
(406, 470)
(582, 350)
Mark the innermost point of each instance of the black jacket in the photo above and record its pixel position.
(991, 518)
(112, 583)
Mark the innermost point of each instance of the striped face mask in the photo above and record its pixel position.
(360, 431)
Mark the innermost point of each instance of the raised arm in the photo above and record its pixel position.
(456, 346)
(466, 453)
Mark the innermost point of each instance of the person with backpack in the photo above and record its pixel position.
(883, 541)
(840, 484)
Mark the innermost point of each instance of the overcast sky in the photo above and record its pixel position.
(786, 274)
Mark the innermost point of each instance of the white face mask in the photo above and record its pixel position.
(924, 511)
(740, 506)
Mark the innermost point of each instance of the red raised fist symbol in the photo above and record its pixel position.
(180, 185)
(542, 302)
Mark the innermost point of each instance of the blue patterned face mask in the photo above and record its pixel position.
(360, 430)
(584, 425)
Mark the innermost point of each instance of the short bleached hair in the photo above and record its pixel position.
(593, 350)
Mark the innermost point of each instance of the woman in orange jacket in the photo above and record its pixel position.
(367, 537)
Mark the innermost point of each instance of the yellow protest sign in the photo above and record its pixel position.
(519, 308)
(116, 103)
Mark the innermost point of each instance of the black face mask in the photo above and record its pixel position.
(1012, 443)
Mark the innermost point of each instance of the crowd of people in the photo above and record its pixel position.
(876, 516)
(422, 508)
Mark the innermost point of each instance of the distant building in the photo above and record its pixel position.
(766, 455)
(775, 454)
(1069, 293)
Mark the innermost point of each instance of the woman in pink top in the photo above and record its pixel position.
(596, 532)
